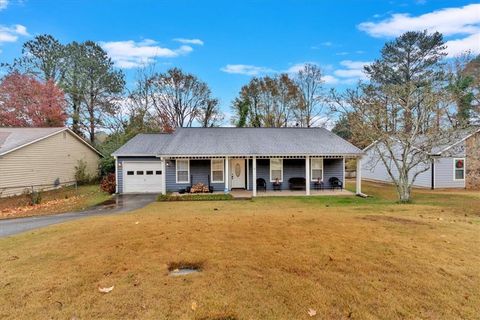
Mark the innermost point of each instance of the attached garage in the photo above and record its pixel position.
(142, 177)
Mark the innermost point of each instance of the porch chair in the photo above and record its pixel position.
(261, 184)
(335, 183)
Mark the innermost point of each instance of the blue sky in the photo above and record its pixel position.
(225, 43)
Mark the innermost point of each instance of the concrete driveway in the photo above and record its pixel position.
(119, 204)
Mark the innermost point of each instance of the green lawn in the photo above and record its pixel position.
(269, 258)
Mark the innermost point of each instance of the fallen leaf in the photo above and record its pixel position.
(312, 312)
(137, 222)
(194, 305)
(105, 290)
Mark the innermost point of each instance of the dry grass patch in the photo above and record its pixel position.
(53, 201)
(272, 258)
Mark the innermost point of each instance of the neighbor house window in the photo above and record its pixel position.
(459, 167)
(183, 171)
(316, 173)
(217, 174)
(276, 170)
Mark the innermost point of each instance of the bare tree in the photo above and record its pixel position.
(399, 109)
(267, 102)
(313, 111)
(181, 98)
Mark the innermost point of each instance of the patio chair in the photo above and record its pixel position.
(261, 184)
(335, 183)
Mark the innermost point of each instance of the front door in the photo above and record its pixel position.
(238, 173)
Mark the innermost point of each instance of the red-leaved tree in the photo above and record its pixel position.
(28, 102)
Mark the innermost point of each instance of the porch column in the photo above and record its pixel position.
(164, 175)
(307, 175)
(254, 176)
(227, 175)
(358, 184)
(248, 174)
(116, 174)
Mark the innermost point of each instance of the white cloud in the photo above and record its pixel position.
(352, 71)
(329, 79)
(3, 4)
(246, 69)
(131, 54)
(448, 21)
(11, 34)
(189, 41)
(460, 46)
(451, 22)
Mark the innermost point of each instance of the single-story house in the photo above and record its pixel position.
(233, 158)
(42, 158)
(452, 164)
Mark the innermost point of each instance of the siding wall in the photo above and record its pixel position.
(49, 161)
(295, 168)
(199, 172)
(120, 161)
(444, 174)
(375, 170)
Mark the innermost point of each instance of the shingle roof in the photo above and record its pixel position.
(13, 138)
(239, 142)
(146, 144)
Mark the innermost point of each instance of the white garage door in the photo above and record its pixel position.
(142, 177)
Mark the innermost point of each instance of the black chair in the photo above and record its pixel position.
(335, 183)
(261, 184)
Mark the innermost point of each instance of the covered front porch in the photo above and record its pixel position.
(252, 176)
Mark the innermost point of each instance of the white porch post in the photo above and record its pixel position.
(358, 184)
(227, 175)
(343, 181)
(254, 176)
(116, 175)
(307, 175)
(248, 174)
(164, 175)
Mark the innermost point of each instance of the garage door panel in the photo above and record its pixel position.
(142, 177)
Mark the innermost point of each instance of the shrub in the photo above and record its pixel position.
(36, 198)
(195, 197)
(81, 175)
(109, 183)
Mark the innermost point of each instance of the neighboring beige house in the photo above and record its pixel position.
(42, 157)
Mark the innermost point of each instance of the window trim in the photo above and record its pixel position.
(223, 171)
(312, 178)
(188, 170)
(270, 169)
(455, 169)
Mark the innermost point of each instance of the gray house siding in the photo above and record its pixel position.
(374, 169)
(444, 174)
(199, 173)
(120, 161)
(295, 168)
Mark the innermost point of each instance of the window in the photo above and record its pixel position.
(459, 168)
(316, 167)
(158, 172)
(217, 173)
(183, 171)
(149, 173)
(130, 173)
(139, 173)
(276, 170)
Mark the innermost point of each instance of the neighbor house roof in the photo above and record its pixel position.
(239, 142)
(12, 139)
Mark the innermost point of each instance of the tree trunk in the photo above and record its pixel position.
(403, 189)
